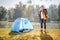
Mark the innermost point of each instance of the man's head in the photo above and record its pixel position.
(42, 7)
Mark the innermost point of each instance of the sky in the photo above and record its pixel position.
(12, 3)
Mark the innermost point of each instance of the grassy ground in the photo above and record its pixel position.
(52, 34)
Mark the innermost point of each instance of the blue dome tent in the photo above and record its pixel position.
(21, 24)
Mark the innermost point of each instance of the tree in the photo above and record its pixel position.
(52, 12)
(59, 11)
(11, 13)
(18, 11)
(3, 13)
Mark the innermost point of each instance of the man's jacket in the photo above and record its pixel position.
(44, 14)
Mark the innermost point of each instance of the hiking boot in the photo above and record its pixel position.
(45, 31)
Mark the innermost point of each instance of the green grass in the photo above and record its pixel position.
(52, 34)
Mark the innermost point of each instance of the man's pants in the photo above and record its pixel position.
(43, 22)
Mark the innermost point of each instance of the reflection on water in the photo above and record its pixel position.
(49, 25)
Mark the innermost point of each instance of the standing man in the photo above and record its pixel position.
(43, 17)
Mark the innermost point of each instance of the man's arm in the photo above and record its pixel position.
(39, 13)
(46, 12)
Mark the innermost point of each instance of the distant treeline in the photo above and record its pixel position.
(29, 12)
